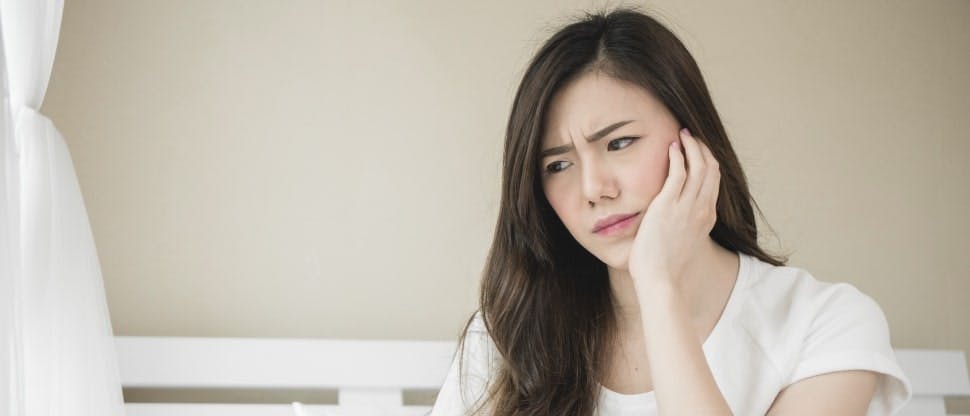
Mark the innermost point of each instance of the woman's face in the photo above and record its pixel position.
(604, 158)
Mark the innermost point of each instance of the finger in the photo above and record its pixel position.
(695, 165)
(707, 197)
(676, 173)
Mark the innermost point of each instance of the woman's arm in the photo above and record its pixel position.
(678, 220)
(842, 393)
(680, 215)
(682, 381)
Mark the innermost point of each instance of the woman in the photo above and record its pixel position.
(625, 277)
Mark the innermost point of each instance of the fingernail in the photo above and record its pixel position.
(676, 144)
(684, 131)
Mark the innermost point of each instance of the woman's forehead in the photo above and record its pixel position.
(594, 101)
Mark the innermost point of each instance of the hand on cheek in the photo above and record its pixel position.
(680, 217)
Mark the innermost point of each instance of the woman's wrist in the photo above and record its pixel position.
(656, 284)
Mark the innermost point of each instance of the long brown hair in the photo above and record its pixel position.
(545, 300)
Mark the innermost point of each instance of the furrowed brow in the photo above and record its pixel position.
(607, 130)
(558, 150)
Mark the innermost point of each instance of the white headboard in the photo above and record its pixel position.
(370, 376)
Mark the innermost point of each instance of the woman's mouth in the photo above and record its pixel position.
(614, 224)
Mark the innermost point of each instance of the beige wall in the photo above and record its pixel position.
(330, 168)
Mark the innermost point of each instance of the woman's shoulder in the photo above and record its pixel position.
(472, 371)
(810, 326)
(793, 292)
(476, 341)
(786, 309)
(477, 323)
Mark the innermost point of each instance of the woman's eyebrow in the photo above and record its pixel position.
(558, 150)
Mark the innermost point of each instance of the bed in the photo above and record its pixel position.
(373, 377)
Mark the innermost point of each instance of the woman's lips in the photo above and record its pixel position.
(615, 225)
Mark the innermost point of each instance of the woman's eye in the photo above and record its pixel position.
(557, 166)
(617, 144)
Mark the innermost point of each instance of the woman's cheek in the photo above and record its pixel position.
(658, 169)
(557, 193)
(647, 180)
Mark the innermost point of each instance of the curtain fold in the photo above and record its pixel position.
(57, 354)
(11, 389)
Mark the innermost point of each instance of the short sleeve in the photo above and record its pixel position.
(850, 332)
(470, 373)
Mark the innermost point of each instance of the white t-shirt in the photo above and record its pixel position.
(780, 325)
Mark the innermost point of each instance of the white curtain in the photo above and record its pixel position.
(57, 353)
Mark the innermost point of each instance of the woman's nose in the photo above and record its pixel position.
(599, 183)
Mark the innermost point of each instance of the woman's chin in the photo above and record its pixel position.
(615, 256)
(616, 261)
